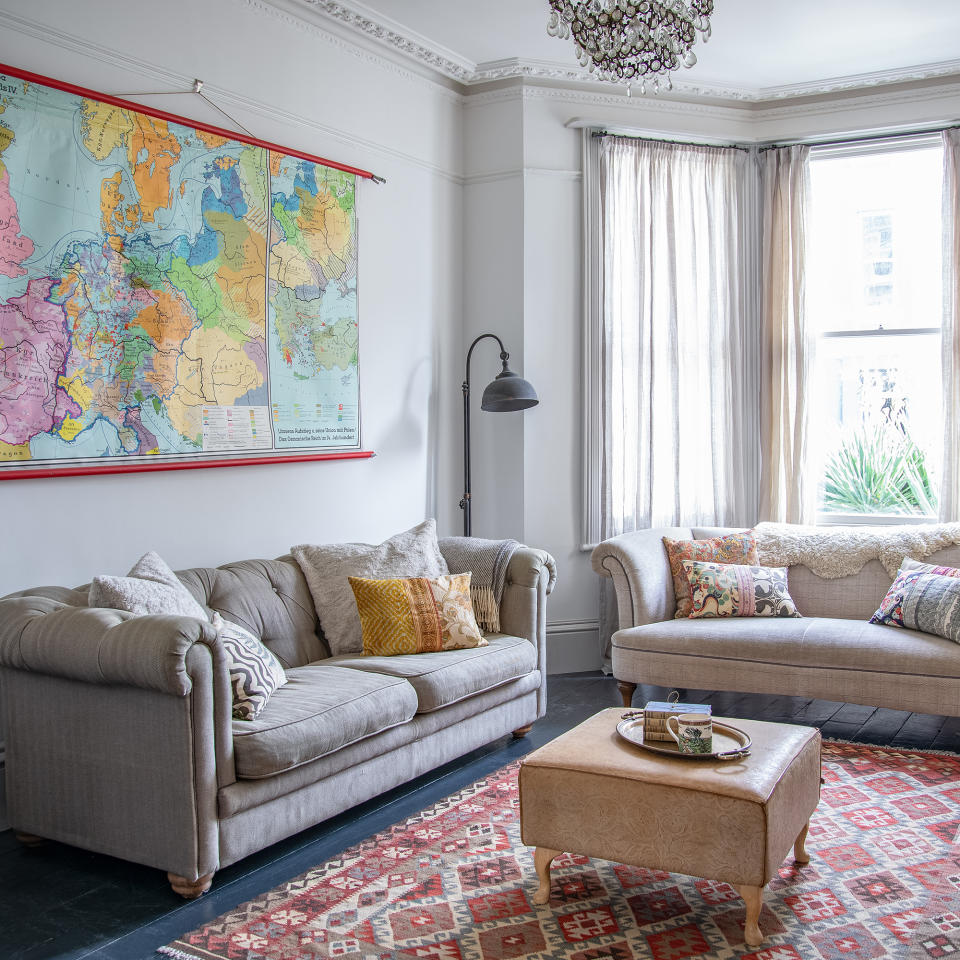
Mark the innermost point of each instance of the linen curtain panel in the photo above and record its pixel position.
(788, 491)
(950, 485)
(680, 407)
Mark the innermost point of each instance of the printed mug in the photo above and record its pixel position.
(692, 731)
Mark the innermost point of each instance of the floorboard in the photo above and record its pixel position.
(60, 902)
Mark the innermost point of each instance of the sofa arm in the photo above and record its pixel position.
(637, 562)
(100, 645)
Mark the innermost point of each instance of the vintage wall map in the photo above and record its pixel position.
(167, 291)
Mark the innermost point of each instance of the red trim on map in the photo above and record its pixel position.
(35, 473)
(175, 118)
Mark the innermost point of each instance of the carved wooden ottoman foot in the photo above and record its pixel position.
(592, 793)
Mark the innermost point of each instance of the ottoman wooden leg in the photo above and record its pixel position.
(626, 689)
(753, 898)
(800, 854)
(542, 858)
(190, 889)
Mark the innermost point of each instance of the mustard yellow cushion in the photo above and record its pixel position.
(416, 615)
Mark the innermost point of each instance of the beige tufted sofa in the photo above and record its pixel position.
(831, 652)
(119, 735)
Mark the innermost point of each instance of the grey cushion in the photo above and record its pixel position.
(806, 641)
(413, 553)
(320, 709)
(450, 675)
(150, 587)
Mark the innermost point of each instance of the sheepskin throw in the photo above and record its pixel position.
(833, 552)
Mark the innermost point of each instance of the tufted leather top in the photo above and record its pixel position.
(268, 597)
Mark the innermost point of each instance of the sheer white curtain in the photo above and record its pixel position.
(787, 491)
(680, 409)
(950, 486)
(680, 405)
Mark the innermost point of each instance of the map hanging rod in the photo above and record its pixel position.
(197, 88)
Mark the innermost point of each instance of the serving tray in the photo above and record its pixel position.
(729, 742)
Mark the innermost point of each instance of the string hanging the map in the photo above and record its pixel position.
(172, 294)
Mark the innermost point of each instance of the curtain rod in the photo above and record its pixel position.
(774, 144)
(865, 138)
(682, 143)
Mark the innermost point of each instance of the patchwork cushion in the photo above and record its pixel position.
(890, 611)
(319, 710)
(740, 547)
(452, 675)
(416, 615)
(737, 590)
(327, 568)
(150, 587)
(255, 673)
(930, 603)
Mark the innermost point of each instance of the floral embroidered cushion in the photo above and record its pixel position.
(738, 590)
(890, 611)
(738, 547)
(416, 614)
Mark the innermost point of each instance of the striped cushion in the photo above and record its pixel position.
(930, 603)
(254, 671)
(416, 615)
(890, 611)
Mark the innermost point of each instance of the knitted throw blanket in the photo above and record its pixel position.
(487, 561)
(832, 552)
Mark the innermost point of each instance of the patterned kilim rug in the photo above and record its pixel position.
(456, 883)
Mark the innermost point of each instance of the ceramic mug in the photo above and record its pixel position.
(692, 731)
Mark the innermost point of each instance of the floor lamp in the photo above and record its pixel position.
(506, 392)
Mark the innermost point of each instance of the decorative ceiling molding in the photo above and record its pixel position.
(362, 20)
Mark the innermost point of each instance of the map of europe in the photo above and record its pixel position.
(166, 291)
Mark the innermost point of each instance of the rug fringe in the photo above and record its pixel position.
(176, 954)
(887, 746)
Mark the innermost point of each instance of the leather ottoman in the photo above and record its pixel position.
(592, 793)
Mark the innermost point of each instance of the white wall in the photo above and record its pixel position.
(293, 84)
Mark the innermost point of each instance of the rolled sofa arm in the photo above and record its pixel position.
(99, 645)
(528, 566)
(637, 563)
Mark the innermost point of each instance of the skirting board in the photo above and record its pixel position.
(573, 646)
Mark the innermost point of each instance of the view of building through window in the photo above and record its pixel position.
(874, 303)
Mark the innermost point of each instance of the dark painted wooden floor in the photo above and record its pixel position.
(56, 901)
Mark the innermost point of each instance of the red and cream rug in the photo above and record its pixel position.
(456, 883)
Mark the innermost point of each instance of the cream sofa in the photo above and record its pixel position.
(119, 735)
(831, 652)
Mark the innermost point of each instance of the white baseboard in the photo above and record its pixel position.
(573, 646)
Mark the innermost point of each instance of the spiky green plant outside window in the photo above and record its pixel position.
(879, 470)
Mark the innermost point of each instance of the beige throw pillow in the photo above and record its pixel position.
(327, 568)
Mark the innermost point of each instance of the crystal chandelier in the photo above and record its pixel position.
(626, 41)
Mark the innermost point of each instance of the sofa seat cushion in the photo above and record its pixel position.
(319, 710)
(447, 676)
(817, 642)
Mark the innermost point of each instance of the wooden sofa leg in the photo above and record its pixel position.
(626, 691)
(190, 889)
(522, 731)
(29, 840)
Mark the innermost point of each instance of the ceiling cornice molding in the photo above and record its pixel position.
(387, 32)
(360, 19)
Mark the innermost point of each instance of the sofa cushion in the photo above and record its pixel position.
(416, 614)
(317, 711)
(738, 590)
(255, 673)
(150, 587)
(450, 675)
(817, 642)
(413, 553)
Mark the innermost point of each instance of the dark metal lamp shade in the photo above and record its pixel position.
(507, 392)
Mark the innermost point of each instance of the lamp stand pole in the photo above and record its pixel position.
(465, 502)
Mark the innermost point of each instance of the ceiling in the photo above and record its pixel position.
(758, 47)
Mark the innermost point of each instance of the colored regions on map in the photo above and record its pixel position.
(156, 280)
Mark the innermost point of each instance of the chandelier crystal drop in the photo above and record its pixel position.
(626, 41)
